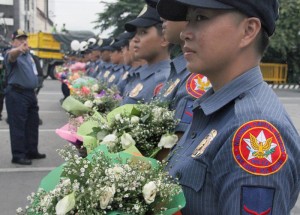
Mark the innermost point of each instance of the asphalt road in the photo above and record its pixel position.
(17, 182)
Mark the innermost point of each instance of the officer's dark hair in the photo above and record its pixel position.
(158, 27)
(262, 41)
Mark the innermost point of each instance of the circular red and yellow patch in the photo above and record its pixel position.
(258, 148)
(197, 85)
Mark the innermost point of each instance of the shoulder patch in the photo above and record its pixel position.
(257, 200)
(136, 90)
(197, 85)
(258, 148)
(157, 89)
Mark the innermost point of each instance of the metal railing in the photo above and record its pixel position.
(274, 72)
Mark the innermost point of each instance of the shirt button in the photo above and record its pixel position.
(242, 96)
(178, 175)
(193, 134)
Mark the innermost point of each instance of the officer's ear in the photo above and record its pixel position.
(251, 28)
(164, 43)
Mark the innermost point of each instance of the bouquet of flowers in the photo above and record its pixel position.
(107, 183)
(69, 131)
(88, 94)
(61, 72)
(148, 127)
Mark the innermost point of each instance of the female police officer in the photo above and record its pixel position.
(241, 153)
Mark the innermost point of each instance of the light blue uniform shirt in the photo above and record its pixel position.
(124, 78)
(105, 71)
(230, 171)
(151, 79)
(115, 75)
(23, 72)
(133, 77)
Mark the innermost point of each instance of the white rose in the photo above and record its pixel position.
(110, 140)
(95, 88)
(149, 192)
(107, 194)
(135, 120)
(116, 171)
(88, 103)
(127, 141)
(168, 141)
(65, 205)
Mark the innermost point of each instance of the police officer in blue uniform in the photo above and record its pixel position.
(135, 65)
(21, 101)
(117, 59)
(149, 30)
(106, 65)
(182, 87)
(241, 153)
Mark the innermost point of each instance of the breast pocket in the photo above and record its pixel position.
(192, 174)
(184, 111)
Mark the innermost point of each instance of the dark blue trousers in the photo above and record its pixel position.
(23, 119)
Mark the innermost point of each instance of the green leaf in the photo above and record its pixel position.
(128, 109)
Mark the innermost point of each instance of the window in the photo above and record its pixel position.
(26, 6)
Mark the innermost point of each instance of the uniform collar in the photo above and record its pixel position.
(117, 67)
(179, 64)
(154, 68)
(212, 101)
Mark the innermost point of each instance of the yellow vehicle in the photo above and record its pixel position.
(48, 50)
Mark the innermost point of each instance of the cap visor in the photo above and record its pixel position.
(139, 23)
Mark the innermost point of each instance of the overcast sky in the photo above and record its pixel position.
(76, 14)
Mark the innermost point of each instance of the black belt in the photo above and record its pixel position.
(19, 88)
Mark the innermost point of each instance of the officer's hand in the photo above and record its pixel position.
(23, 48)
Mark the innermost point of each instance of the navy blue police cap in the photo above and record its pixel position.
(125, 36)
(106, 43)
(265, 10)
(123, 40)
(148, 17)
(152, 3)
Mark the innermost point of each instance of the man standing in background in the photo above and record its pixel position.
(21, 101)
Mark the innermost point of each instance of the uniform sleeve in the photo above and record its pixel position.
(256, 171)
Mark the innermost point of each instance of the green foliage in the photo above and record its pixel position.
(285, 43)
(117, 14)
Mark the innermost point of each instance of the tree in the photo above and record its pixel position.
(285, 43)
(117, 14)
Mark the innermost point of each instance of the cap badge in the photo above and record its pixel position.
(143, 10)
(112, 42)
(100, 42)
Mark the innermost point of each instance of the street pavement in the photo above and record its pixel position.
(17, 182)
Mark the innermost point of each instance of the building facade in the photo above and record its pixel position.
(30, 15)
